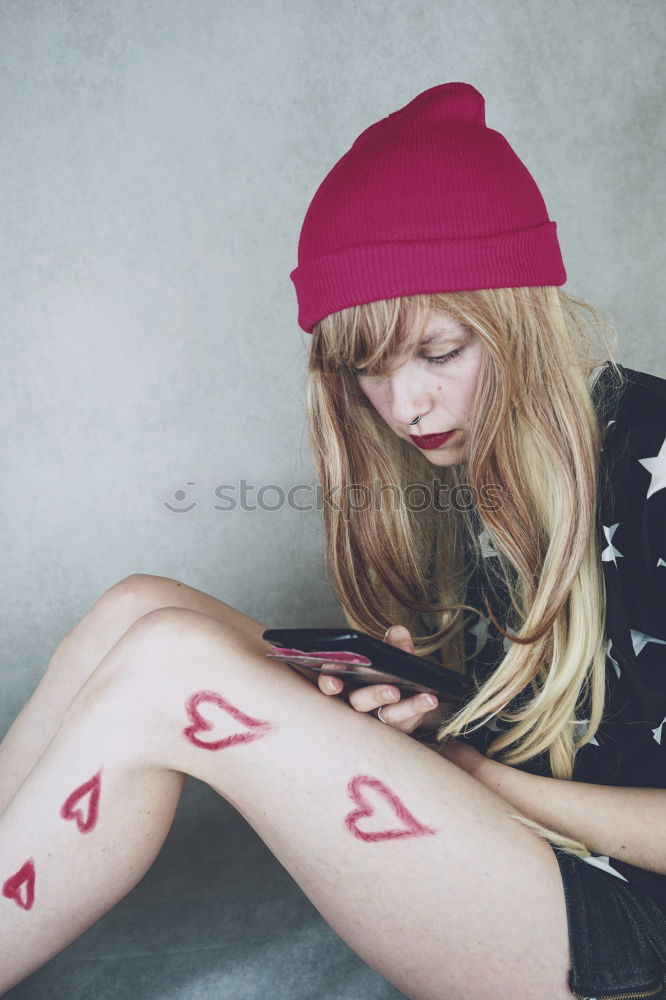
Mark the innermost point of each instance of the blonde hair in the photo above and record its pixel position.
(535, 440)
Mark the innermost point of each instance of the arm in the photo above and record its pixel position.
(624, 823)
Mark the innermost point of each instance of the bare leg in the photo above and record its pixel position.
(77, 655)
(411, 861)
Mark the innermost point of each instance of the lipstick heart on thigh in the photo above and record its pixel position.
(83, 804)
(21, 886)
(386, 809)
(228, 724)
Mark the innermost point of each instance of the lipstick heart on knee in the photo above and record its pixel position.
(388, 807)
(21, 886)
(229, 725)
(83, 804)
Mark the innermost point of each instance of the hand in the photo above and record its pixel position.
(403, 713)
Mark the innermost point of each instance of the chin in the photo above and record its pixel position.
(454, 456)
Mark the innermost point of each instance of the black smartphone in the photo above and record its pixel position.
(360, 659)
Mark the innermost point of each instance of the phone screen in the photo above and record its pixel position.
(349, 666)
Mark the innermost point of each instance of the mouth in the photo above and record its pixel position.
(428, 441)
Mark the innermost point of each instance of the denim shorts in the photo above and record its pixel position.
(617, 935)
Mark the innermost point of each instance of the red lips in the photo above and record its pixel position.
(431, 440)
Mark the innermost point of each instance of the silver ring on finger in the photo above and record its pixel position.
(378, 715)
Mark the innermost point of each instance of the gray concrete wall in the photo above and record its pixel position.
(158, 158)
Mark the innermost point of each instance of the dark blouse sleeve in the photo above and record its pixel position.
(633, 542)
(629, 748)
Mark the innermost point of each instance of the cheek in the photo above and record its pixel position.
(376, 397)
(472, 381)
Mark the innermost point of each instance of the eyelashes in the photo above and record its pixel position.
(439, 359)
(443, 359)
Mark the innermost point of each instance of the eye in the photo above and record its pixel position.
(439, 359)
(442, 359)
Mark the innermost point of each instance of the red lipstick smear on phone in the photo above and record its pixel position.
(428, 441)
(337, 655)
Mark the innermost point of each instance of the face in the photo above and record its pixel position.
(438, 383)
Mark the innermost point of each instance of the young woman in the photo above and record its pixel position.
(519, 537)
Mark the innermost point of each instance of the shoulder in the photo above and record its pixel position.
(628, 395)
(632, 505)
(632, 414)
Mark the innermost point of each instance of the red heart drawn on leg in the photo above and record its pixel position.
(23, 879)
(411, 826)
(255, 728)
(83, 804)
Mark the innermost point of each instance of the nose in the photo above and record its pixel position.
(408, 398)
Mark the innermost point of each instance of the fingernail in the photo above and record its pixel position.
(429, 700)
(389, 695)
(330, 685)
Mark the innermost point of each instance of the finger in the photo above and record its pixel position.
(364, 699)
(329, 685)
(399, 635)
(409, 710)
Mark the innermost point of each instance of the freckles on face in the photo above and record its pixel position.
(441, 394)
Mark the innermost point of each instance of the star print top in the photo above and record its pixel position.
(629, 748)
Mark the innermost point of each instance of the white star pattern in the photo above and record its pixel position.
(640, 640)
(610, 552)
(660, 562)
(608, 425)
(480, 631)
(580, 727)
(602, 861)
(487, 547)
(492, 725)
(616, 665)
(656, 466)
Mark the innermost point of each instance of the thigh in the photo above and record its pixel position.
(414, 863)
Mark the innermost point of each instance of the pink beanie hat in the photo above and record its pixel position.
(428, 199)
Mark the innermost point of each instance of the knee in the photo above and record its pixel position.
(118, 608)
(136, 595)
(147, 634)
(127, 601)
(175, 633)
(157, 650)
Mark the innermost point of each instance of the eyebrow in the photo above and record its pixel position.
(438, 335)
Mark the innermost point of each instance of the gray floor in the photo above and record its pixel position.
(216, 916)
